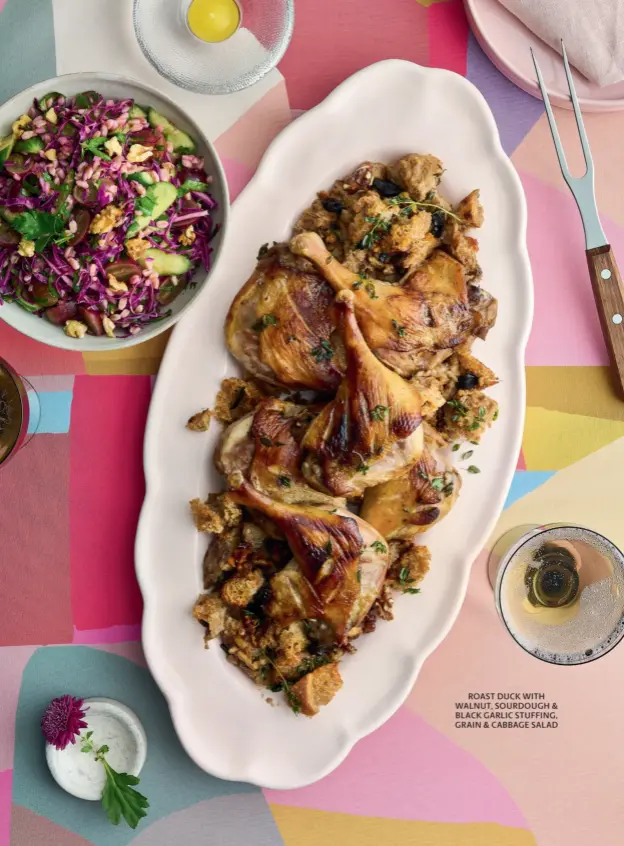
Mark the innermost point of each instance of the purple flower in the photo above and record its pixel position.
(63, 720)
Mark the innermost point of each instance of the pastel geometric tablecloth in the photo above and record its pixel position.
(70, 606)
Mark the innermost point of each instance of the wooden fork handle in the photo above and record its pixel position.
(609, 296)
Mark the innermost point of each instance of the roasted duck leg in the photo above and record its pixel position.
(404, 325)
(339, 565)
(280, 323)
(265, 446)
(371, 429)
(414, 501)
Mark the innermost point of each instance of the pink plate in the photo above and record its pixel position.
(506, 42)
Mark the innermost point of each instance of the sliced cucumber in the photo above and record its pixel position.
(48, 100)
(179, 139)
(136, 112)
(142, 177)
(30, 145)
(86, 99)
(6, 146)
(166, 264)
(162, 194)
(156, 119)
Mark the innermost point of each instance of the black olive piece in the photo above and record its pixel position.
(333, 205)
(467, 381)
(386, 188)
(384, 258)
(437, 223)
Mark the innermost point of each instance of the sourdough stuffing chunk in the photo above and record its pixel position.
(236, 398)
(200, 422)
(409, 565)
(240, 590)
(216, 514)
(471, 211)
(469, 415)
(316, 689)
(210, 611)
(469, 364)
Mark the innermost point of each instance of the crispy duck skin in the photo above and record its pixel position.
(265, 447)
(280, 323)
(404, 325)
(415, 500)
(371, 430)
(339, 566)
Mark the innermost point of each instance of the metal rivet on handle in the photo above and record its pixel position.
(617, 319)
(606, 274)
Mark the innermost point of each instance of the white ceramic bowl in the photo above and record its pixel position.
(118, 87)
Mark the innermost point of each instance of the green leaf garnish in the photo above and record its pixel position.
(119, 798)
(264, 321)
(40, 227)
(94, 146)
(323, 352)
(400, 330)
(379, 412)
(192, 185)
(380, 547)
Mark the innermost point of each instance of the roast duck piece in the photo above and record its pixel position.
(371, 429)
(415, 500)
(339, 561)
(266, 447)
(280, 324)
(404, 325)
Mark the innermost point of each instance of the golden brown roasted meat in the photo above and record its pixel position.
(339, 565)
(280, 324)
(404, 325)
(265, 446)
(411, 503)
(372, 427)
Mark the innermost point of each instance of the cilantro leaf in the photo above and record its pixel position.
(145, 205)
(94, 146)
(40, 227)
(192, 185)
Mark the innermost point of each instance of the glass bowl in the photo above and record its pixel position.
(222, 67)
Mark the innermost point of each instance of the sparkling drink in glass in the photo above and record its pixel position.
(559, 590)
(19, 412)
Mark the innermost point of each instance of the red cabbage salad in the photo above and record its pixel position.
(105, 214)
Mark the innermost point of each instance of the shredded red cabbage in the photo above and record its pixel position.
(60, 180)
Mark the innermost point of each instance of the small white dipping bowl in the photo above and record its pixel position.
(113, 725)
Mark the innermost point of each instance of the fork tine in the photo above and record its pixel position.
(577, 110)
(552, 122)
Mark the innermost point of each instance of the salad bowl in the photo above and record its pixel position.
(117, 88)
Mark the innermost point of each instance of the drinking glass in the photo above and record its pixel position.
(20, 412)
(559, 590)
(261, 32)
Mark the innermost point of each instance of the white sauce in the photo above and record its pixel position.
(112, 725)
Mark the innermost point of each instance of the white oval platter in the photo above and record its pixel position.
(381, 113)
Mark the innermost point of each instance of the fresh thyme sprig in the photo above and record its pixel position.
(407, 204)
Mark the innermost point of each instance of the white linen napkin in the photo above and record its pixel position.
(592, 30)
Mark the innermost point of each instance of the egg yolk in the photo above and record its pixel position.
(213, 20)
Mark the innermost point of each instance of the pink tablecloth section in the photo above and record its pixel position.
(69, 504)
